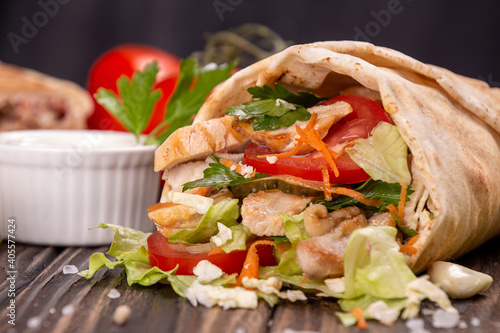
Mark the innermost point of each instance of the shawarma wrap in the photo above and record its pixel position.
(450, 123)
(33, 100)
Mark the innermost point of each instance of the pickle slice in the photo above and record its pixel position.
(286, 184)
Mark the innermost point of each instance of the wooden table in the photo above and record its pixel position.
(69, 303)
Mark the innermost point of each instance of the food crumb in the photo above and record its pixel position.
(34, 322)
(68, 309)
(445, 319)
(70, 269)
(462, 325)
(122, 315)
(114, 294)
(475, 321)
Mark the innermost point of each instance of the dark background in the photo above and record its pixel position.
(463, 36)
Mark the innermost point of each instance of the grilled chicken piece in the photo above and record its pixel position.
(195, 142)
(170, 218)
(261, 211)
(283, 139)
(322, 255)
(384, 218)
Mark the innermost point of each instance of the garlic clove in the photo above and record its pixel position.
(458, 281)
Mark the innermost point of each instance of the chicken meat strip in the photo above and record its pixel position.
(260, 211)
(322, 255)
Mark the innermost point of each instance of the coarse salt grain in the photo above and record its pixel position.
(445, 319)
(475, 321)
(52, 311)
(34, 322)
(462, 325)
(68, 309)
(70, 269)
(114, 294)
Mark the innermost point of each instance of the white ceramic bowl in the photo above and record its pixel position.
(57, 184)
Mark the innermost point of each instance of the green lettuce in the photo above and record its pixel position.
(295, 232)
(239, 240)
(225, 212)
(383, 155)
(130, 249)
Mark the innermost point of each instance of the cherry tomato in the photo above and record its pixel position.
(167, 256)
(125, 60)
(365, 116)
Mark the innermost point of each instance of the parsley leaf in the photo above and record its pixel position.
(388, 193)
(275, 108)
(192, 89)
(137, 99)
(219, 175)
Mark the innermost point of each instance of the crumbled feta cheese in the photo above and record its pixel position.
(462, 325)
(246, 170)
(420, 288)
(380, 311)
(475, 321)
(34, 322)
(227, 298)
(286, 104)
(225, 234)
(445, 319)
(210, 67)
(268, 286)
(70, 269)
(232, 167)
(337, 285)
(415, 325)
(199, 203)
(206, 271)
(272, 159)
(293, 295)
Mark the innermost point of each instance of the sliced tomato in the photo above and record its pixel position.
(167, 256)
(365, 116)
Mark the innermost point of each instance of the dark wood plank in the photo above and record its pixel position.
(43, 292)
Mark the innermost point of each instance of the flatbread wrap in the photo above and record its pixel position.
(450, 124)
(33, 100)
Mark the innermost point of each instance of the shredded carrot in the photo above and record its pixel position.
(408, 249)
(312, 137)
(360, 319)
(303, 280)
(201, 191)
(230, 275)
(282, 247)
(159, 205)
(251, 264)
(392, 209)
(217, 250)
(326, 182)
(413, 240)
(356, 195)
(402, 200)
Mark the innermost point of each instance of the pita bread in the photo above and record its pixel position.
(32, 100)
(451, 124)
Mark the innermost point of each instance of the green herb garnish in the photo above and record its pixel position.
(137, 99)
(275, 108)
(192, 89)
(219, 175)
(134, 104)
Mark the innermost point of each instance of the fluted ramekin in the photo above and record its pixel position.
(55, 185)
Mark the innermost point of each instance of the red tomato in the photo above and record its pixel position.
(365, 116)
(166, 256)
(125, 60)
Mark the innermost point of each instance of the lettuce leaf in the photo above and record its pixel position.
(225, 212)
(383, 155)
(129, 248)
(295, 232)
(374, 266)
